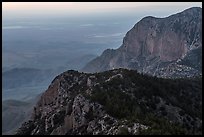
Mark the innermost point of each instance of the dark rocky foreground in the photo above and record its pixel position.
(119, 101)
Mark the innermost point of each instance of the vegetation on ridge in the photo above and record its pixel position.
(145, 99)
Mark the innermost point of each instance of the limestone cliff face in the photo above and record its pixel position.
(154, 43)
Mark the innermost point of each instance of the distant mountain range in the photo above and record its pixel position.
(20, 77)
(15, 112)
(165, 47)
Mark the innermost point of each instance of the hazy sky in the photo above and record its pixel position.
(58, 8)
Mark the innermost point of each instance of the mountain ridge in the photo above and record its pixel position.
(155, 43)
(116, 102)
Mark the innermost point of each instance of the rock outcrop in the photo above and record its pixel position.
(63, 109)
(105, 103)
(158, 43)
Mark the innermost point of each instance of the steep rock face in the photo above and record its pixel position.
(155, 43)
(114, 102)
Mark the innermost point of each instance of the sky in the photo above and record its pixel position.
(80, 8)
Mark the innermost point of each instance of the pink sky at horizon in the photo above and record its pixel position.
(86, 7)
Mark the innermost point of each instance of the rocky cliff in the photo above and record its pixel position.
(158, 46)
(117, 102)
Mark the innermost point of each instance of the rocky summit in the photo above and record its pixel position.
(118, 101)
(167, 47)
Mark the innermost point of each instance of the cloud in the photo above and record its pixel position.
(13, 27)
(86, 25)
(106, 35)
